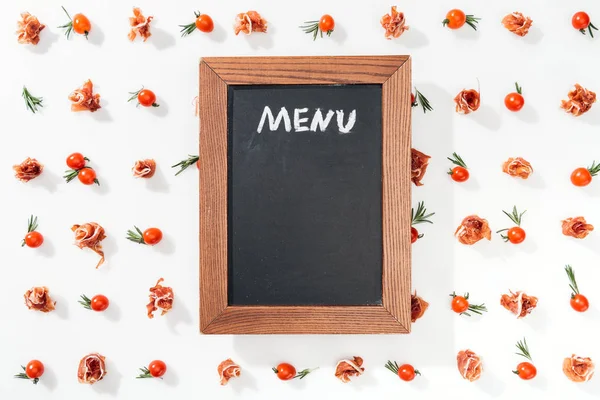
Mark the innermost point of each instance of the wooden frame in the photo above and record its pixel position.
(393, 316)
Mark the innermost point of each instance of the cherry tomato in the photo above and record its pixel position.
(152, 236)
(286, 371)
(526, 371)
(581, 20)
(455, 18)
(34, 369)
(459, 174)
(581, 177)
(157, 368)
(326, 24)
(460, 304)
(87, 176)
(76, 161)
(412, 98)
(516, 235)
(514, 101)
(34, 239)
(204, 23)
(81, 24)
(579, 303)
(407, 372)
(414, 234)
(147, 98)
(99, 302)
(198, 164)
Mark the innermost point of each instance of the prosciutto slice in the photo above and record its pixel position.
(227, 370)
(467, 101)
(519, 303)
(469, 365)
(580, 101)
(161, 297)
(38, 299)
(418, 166)
(348, 368)
(140, 25)
(517, 167)
(418, 306)
(576, 227)
(249, 22)
(28, 169)
(84, 99)
(517, 23)
(394, 24)
(92, 368)
(28, 29)
(472, 229)
(90, 235)
(144, 168)
(578, 369)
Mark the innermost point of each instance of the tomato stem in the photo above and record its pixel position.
(445, 22)
(519, 88)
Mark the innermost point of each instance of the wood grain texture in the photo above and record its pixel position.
(213, 195)
(396, 207)
(305, 70)
(216, 316)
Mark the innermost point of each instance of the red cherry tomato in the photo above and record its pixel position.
(81, 24)
(99, 302)
(581, 177)
(414, 234)
(455, 19)
(516, 235)
(198, 164)
(87, 176)
(147, 98)
(76, 161)
(459, 174)
(579, 303)
(152, 236)
(407, 372)
(34, 369)
(204, 23)
(526, 371)
(157, 368)
(326, 24)
(514, 101)
(286, 371)
(34, 239)
(581, 20)
(460, 304)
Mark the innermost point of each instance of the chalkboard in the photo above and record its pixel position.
(305, 203)
(304, 195)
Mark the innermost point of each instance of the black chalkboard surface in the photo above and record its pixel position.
(305, 194)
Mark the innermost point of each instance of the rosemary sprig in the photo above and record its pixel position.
(85, 302)
(457, 160)
(313, 27)
(420, 99)
(590, 27)
(70, 175)
(420, 216)
(573, 282)
(519, 88)
(145, 374)
(523, 349)
(69, 25)
(189, 28)
(184, 164)
(137, 237)
(515, 216)
(23, 375)
(474, 308)
(31, 102)
(32, 225)
(472, 21)
(594, 169)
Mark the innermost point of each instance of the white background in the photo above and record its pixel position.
(546, 63)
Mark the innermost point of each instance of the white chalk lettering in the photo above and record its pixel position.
(340, 121)
(318, 120)
(274, 123)
(298, 120)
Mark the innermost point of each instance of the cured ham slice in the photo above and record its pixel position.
(517, 167)
(227, 370)
(472, 229)
(28, 169)
(576, 227)
(467, 101)
(578, 369)
(38, 299)
(144, 168)
(348, 368)
(249, 22)
(28, 29)
(580, 101)
(140, 25)
(84, 99)
(469, 365)
(92, 368)
(394, 24)
(418, 306)
(161, 297)
(90, 235)
(519, 303)
(517, 23)
(418, 165)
